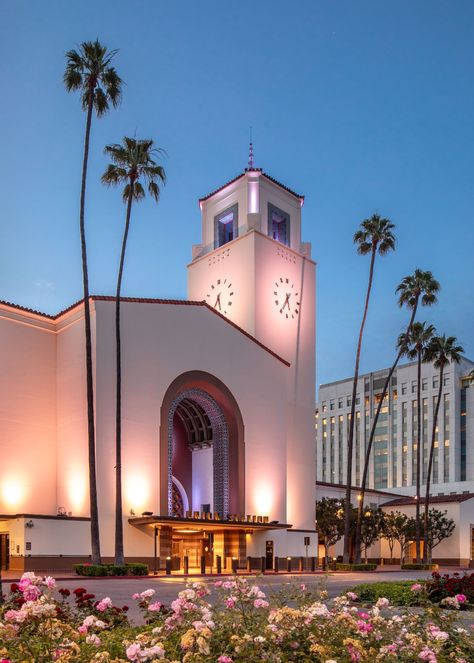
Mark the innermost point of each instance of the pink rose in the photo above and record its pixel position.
(154, 607)
(260, 603)
(225, 659)
(461, 598)
(416, 587)
(230, 602)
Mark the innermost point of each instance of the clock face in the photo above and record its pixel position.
(220, 295)
(287, 299)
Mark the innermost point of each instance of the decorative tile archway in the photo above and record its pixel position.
(220, 447)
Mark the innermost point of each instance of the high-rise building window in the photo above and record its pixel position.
(425, 438)
(463, 433)
(404, 388)
(414, 386)
(394, 444)
(414, 444)
(404, 444)
(424, 384)
(324, 435)
(340, 403)
(436, 447)
(324, 406)
(445, 380)
(340, 439)
(381, 450)
(446, 437)
(331, 404)
(332, 442)
(435, 381)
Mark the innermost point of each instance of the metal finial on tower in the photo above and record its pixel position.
(250, 151)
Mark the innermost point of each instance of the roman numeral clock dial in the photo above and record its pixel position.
(220, 295)
(287, 300)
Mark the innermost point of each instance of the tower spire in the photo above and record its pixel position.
(250, 151)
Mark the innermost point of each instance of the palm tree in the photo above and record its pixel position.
(132, 161)
(89, 70)
(441, 351)
(413, 346)
(419, 286)
(374, 236)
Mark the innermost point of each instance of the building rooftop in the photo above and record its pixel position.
(144, 300)
(435, 499)
(248, 170)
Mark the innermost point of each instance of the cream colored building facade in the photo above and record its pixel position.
(218, 403)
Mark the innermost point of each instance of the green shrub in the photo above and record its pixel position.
(420, 567)
(398, 593)
(134, 569)
(355, 567)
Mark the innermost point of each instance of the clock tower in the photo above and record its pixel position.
(254, 269)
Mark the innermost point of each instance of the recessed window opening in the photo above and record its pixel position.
(278, 224)
(225, 226)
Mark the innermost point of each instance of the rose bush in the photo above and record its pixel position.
(39, 623)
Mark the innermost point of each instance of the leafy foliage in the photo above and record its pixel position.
(135, 569)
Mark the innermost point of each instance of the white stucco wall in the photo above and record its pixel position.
(27, 413)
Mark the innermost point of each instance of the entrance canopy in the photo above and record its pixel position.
(199, 524)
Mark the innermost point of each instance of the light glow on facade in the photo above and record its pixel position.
(137, 492)
(13, 492)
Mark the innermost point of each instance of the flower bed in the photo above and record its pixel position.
(39, 623)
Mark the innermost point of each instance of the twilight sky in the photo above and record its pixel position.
(362, 106)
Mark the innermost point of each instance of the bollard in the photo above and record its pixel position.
(300, 565)
(235, 562)
(249, 564)
(263, 564)
(276, 563)
(219, 564)
(325, 563)
(288, 564)
(168, 566)
(203, 564)
(313, 564)
(186, 565)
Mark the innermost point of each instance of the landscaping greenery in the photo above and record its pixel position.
(39, 624)
(135, 569)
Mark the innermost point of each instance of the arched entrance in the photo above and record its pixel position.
(203, 456)
(203, 409)
(201, 471)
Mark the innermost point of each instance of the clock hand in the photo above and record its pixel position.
(287, 300)
(218, 301)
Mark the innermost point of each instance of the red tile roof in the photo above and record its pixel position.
(147, 300)
(435, 499)
(247, 170)
(354, 489)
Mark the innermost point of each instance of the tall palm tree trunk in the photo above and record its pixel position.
(365, 473)
(119, 554)
(426, 557)
(350, 441)
(94, 512)
(418, 463)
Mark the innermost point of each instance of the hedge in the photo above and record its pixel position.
(355, 567)
(135, 569)
(399, 592)
(420, 567)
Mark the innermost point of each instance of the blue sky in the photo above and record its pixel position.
(362, 106)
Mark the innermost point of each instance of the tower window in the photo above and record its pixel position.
(278, 224)
(225, 226)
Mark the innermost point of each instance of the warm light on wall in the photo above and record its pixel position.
(13, 492)
(263, 499)
(137, 491)
(77, 490)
